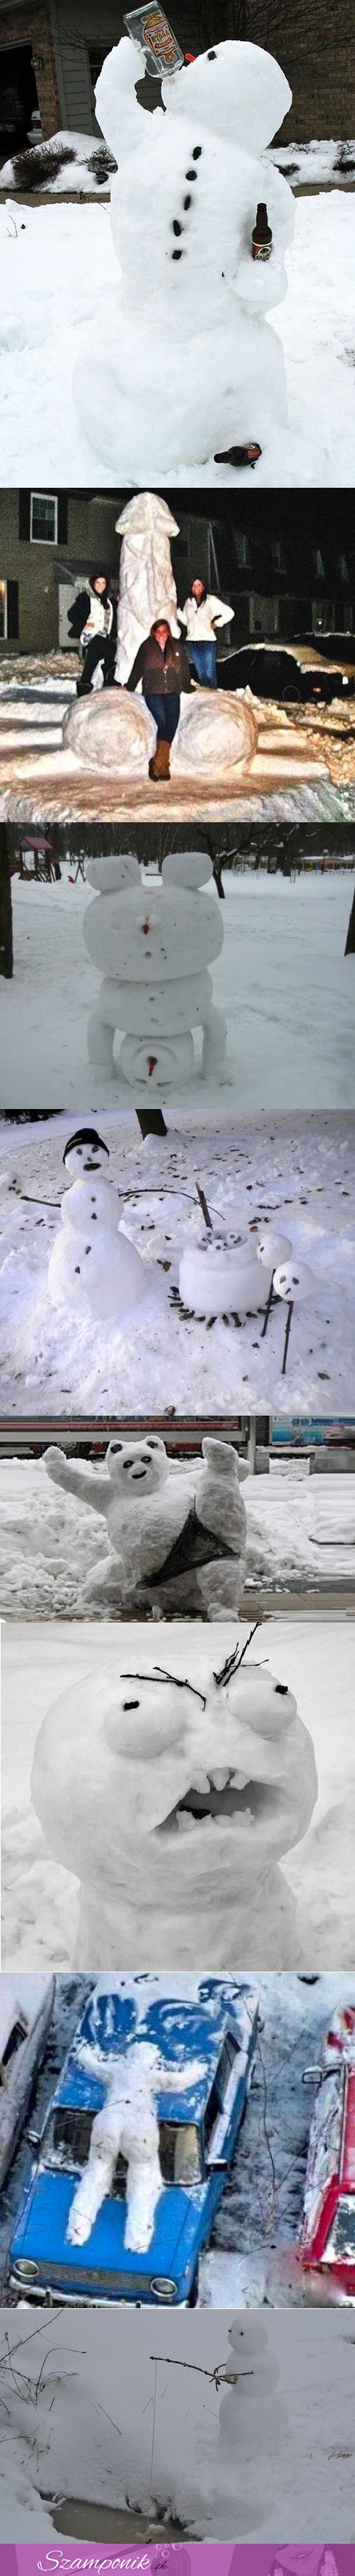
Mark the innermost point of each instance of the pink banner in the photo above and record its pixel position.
(178, 2559)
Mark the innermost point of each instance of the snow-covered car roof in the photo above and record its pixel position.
(182, 2030)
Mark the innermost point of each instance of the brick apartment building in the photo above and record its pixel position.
(51, 54)
(288, 567)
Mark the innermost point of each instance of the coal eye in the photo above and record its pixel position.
(129, 1462)
(131, 1703)
(281, 1687)
(212, 58)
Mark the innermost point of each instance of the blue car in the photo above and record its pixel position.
(211, 2042)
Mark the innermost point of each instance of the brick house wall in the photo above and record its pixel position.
(282, 579)
(33, 27)
(316, 48)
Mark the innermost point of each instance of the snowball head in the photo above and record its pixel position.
(293, 1280)
(235, 90)
(85, 1153)
(272, 1248)
(152, 932)
(249, 2334)
(129, 1773)
(137, 1463)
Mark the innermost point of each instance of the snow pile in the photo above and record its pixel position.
(320, 164)
(68, 162)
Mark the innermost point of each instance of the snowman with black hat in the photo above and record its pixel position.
(93, 1265)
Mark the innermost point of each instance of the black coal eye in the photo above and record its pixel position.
(131, 1703)
(281, 1687)
(212, 58)
(129, 1462)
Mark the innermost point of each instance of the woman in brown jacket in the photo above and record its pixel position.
(162, 666)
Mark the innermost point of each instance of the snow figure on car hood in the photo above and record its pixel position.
(184, 363)
(172, 1803)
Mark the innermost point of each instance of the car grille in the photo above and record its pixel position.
(120, 2283)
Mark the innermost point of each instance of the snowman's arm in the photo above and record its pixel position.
(118, 108)
(78, 1480)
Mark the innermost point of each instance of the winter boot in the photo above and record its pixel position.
(159, 767)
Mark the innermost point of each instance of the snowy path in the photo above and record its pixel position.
(286, 988)
(44, 327)
(303, 1170)
(301, 1537)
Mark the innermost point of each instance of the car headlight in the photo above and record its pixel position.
(164, 2289)
(25, 2271)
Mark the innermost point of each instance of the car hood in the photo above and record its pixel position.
(41, 2234)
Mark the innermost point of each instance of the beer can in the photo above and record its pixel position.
(150, 30)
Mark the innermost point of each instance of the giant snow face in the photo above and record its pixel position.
(162, 1794)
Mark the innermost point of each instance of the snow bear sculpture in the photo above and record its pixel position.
(172, 1805)
(184, 362)
(116, 1277)
(177, 1533)
(154, 944)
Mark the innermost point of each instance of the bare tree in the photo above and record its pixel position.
(6, 942)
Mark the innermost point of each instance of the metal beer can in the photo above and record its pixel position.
(149, 29)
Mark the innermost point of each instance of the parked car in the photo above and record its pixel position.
(284, 675)
(199, 2119)
(26, 2006)
(328, 2228)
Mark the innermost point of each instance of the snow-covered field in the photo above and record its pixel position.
(313, 1656)
(59, 275)
(86, 2431)
(254, 2244)
(282, 980)
(300, 1538)
(158, 1361)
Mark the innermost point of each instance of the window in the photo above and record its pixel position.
(67, 2146)
(242, 549)
(341, 2242)
(44, 519)
(225, 2063)
(213, 2109)
(3, 609)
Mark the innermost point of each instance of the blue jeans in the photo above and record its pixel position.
(166, 711)
(203, 658)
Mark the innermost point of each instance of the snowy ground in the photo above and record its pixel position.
(315, 1657)
(158, 1362)
(45, 325)
(301, 1539)
(253, 2252)
(283, 982)
(86, 2430)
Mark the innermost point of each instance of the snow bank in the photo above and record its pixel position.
(79, 161)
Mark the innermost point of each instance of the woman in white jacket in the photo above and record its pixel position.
(98, 638)
(202, 616)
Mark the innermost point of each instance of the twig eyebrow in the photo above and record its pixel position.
(159, 1674)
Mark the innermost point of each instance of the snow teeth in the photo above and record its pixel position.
(201, 1783)
(239, 1780)
(219, 1779)
(245, 1818)
(185, 1822)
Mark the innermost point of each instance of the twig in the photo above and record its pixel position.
(234, 1661)
(203, 1204)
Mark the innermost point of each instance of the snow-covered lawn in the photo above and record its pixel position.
(282, 979)
(313, 1656)
(86, 2432)
(158, 1360)
(301, 1537)
(59, 282)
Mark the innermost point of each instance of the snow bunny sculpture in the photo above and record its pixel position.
(154, 945)
(93, 1266)
(176, 1533)
(172, 1804)
(185, 362)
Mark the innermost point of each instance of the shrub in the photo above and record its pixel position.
(37, 166)
(101, 164)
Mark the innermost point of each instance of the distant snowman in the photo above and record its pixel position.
(93, 1266)
(184, 364)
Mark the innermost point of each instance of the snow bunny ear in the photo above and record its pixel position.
(111, 875)
(236, 90)
(188, 868)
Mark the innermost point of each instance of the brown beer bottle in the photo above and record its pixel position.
(261, 235)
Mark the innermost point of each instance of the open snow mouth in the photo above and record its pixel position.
(226, 1798)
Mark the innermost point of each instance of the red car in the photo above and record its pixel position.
(328, 2228)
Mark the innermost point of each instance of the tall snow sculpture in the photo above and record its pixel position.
(147, 588)
(155, 946)
(93, 1266)
(173, 1803)
(185, 362)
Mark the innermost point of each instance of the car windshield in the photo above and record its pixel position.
(66, 2147)
(341, 2242)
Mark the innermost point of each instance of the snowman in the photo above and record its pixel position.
(172, 1799)
(173, 1531)
(183, 362)
(154, 945)
(93, 1267)
(253, 2416)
